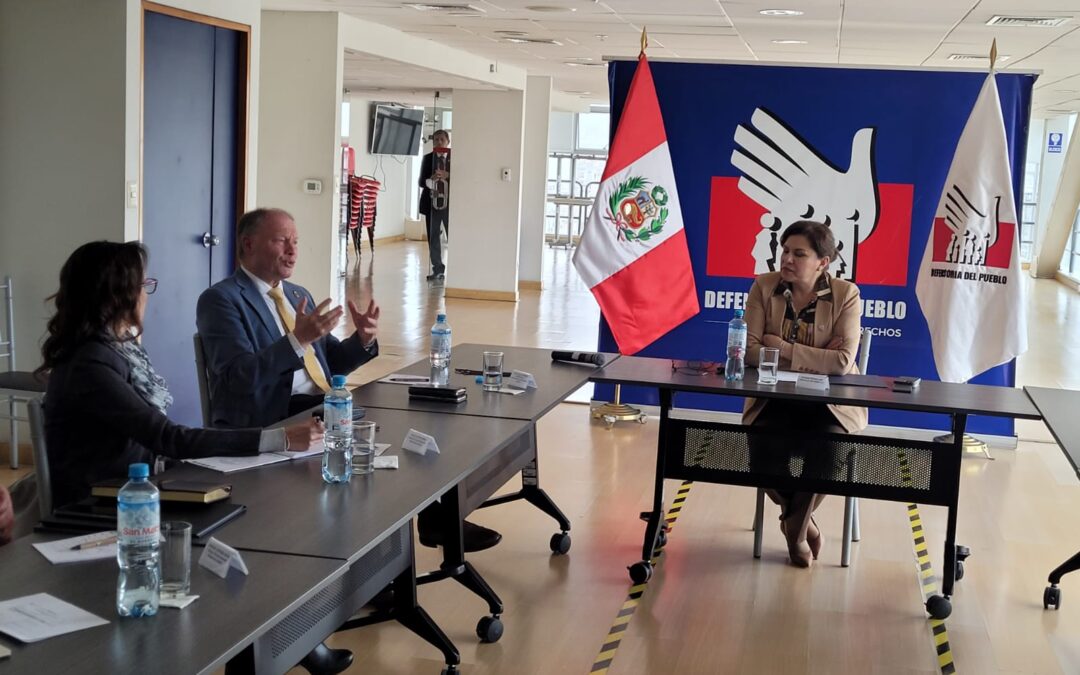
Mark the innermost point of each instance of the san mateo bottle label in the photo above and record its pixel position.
(138, 524)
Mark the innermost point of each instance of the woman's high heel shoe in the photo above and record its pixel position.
(815, 541)
(800, 554)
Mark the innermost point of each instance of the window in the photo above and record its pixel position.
(1070, 259)
(1028, 210)
(592, 131)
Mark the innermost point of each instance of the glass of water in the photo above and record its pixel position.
(175, 558)
(337, 458)
(768, 364)
(363, 447)
(493, 371)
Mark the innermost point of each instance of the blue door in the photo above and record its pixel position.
(191, 120)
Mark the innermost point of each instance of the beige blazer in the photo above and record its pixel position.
(839, 317)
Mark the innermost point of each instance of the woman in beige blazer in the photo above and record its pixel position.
(813, 319)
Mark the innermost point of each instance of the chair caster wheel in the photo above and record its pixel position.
(451, 670)
(642, 418)
(959, 570)
(1052, 597)
(661, 540)
(489, 629)
(939, 607)
(609, 421)
(640, 572)
(962, 552)
(560, 543)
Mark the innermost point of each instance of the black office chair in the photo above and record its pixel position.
(851, 504)
(203, 378)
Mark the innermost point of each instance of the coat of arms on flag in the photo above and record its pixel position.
(637, 212)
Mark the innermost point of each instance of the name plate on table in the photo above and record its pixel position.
(519, 379)
(812, 381)
(218, 558)
(419, 442)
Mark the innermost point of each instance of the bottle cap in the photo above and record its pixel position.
(139, 470)
(479, 379)
(440, 318)
(337, 381)
(738, 314)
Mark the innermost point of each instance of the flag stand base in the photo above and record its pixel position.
(971, 444)
(617, 412)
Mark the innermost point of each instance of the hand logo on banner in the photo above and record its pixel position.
(793, 182)
(973, 230)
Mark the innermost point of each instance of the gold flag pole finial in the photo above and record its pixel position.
(993, 53)
(644, 40)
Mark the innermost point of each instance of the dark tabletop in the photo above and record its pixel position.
(555, 381)
(1060, 410)
(933, 397)
(229, 614)
(291, 510)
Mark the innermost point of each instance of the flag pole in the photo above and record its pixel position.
(616, 411)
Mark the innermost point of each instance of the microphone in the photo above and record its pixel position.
(579, 357)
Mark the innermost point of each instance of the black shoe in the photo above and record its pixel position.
(432, 277)
(477, 537)
(325, 661)
(384, 601)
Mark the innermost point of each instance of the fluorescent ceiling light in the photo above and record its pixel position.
(551, 9)
(789, 42)
(780, 12)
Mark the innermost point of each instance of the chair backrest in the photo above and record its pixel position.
(203, 378)
(41, 456)
(864, 350)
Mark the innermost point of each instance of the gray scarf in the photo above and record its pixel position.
(149, 385)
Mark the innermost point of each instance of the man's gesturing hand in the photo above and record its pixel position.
(366, 322)
(311, 327)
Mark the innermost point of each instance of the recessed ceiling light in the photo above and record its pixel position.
(780, 12)
(512, 33)
(1067, 91)
(600, 36)
(532, 41)
(551, 9)
(584, 63)
(789, 42)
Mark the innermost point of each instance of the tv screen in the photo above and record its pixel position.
(397, 131)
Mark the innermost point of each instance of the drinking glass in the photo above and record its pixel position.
(363, 447)
(768, 364)
(175, 558)
(493, 371)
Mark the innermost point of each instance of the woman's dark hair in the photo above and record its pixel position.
(818, 234)
(99, 287)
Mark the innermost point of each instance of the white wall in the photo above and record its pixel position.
(485, 211)
(1050, 166)
(299, 136)
(61, 146)
(1059, 192)
(534, 178)
(392, 171)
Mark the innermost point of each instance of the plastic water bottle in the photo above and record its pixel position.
(337, 442)
(736, 348)
(440, 343)
(138, 525)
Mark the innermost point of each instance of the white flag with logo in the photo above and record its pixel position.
(970, 286)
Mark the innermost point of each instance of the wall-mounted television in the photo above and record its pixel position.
(397, 130)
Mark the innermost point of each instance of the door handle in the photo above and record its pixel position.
(209, 240)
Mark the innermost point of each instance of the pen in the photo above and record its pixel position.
(469, 371)
(94, 544)
(406, 378)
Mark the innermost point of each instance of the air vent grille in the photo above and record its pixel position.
(1028, 21)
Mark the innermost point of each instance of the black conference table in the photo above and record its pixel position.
(1060, 409)
(555, 381)
(229, 615)
(893, 469)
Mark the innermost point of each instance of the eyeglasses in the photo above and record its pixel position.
(150, 285)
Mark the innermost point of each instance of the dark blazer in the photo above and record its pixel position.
(426, 170)
(250, 363)
(96, 424)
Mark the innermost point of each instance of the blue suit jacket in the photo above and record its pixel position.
(250, 363)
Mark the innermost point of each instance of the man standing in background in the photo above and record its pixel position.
(435, 199)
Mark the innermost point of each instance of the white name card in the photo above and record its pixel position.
(519, 379)
(813, 381)
(218, 558)
(419, 442)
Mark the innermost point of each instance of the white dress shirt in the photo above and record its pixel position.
(302, 382)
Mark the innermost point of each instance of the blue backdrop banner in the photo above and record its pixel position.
(865, 150)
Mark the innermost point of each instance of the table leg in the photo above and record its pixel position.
(940, 606)
(641, 571)
(410, 614)
(243, 663)
(532, 493)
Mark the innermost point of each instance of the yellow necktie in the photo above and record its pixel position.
(311, 363)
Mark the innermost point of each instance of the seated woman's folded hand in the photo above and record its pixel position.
(304, 435)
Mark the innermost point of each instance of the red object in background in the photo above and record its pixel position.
(362, 206)
(999, 255)
(735, 220)
(348, 160)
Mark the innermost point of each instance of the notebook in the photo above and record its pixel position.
(199, 492)
(96, 514)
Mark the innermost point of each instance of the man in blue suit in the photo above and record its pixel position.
(269, 351)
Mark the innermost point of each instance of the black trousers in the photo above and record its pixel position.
(436, 220)
(779, 455)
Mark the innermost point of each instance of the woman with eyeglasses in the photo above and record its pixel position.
(105, 406)
(813, 319)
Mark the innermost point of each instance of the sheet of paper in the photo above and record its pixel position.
(786, 376)
(380, 448)
(388, 462)
(510, 390)
(63, 550)
(177, 601)
(40, 616)
(4, 652)
(406, 379)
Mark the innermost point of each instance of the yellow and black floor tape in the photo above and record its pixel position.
(927, 579)
(633, 598)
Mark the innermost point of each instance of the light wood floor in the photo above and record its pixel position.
(711, 608)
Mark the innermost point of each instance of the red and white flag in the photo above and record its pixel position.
(970, 286)
(633, 253)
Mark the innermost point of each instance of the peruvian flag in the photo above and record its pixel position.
(970, 286)
(633, 253)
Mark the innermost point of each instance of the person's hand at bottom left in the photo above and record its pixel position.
(304, 435)
(7, 516)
